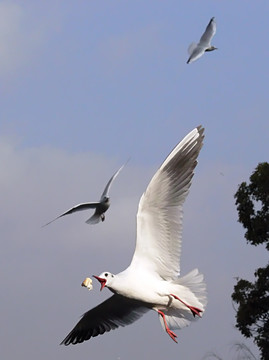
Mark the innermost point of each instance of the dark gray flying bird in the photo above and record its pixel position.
(100, 207)
(197, 50)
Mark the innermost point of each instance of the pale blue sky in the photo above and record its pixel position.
(83, 86)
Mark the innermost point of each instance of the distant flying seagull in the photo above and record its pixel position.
(197, 50)
(100, 207)
(152, 280)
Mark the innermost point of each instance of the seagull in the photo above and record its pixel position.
(100, 207)
(197, 50)
(152, 279)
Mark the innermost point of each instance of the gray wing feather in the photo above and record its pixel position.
(198, 51)
(106, 190)
(191, 48)
(209, 33)
(79, 207)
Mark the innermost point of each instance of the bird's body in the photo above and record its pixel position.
(152, 290)
(204, 45)
(100, 207)
(152, 280)
(100, 210)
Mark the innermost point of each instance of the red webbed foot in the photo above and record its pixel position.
(171, 333)
(193, 309)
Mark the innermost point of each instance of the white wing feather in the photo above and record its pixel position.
(210, 31)
(197, 52)
(159, 216)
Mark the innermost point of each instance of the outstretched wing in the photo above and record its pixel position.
(197, 52)
(109, 315)
(79, 207)
(105, 192)
(210, 31)
(159, 216)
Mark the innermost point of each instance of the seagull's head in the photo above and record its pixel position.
(211, 48)
(105, 199)
(105, 279)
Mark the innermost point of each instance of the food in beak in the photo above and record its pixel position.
(87, 283)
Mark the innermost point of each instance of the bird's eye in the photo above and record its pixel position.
(106, 274)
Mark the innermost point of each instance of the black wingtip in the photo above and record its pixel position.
(66, 340)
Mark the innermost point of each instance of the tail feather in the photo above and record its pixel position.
(95, 219)
(191, 290)
(196, 293)
(176, 319)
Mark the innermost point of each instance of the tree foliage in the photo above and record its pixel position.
(240, 351)
(252, 317)
(252, 203)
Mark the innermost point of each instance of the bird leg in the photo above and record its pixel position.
(194, 310)
(103, 217)
(172, 335)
